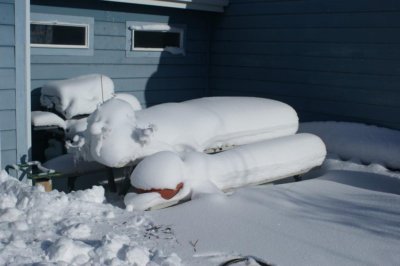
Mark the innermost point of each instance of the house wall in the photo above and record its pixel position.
(14, 76)
(153, 79)
(8, 132)
(331, 60)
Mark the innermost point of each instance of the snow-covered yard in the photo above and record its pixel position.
(344, 213)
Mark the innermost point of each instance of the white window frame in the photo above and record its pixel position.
(133, 26)
(57, 23)
(63, 20)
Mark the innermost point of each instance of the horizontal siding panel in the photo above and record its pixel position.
(334, 108)
(330, 60)
(167, 84)
(368, 82)
(142, 84)
(8, 31)
(335, 35)
(109, 42)
(309, 91)
(8, 157)
(150, 98)
(346, 50)
(7, 57)
(8, 139)
(311, 6)
(6, 13)
(332, 20)
(118, 43)
(7, 77)
(116, 71)
(341, 65)
(7, 99)
(114, 12)
(110, 28)
(119, 58)
(7, 119)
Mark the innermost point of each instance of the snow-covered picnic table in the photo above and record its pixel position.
(345, 213)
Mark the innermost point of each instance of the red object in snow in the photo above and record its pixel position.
(165, 193)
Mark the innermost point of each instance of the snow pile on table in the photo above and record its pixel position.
(76, 229)
(199, 173)
(358, 142)
(45, 119)
(77, 96)
(129, 98)
(117, 134)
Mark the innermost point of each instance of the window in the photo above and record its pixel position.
(44, 34)
(152, 37)
(61, 35)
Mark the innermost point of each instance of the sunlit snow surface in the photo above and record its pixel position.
(345, 213)
(74, 229)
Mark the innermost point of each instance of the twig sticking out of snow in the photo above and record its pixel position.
(194, 244)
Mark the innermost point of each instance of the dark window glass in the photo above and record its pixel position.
(58, 34)
(154, 39)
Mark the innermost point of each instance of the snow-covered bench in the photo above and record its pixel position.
(166, 178)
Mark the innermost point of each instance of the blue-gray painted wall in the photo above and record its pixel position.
(154, 79)
(8, 123)
(14, 76)
(330, 59)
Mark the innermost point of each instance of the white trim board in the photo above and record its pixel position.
(203, 5)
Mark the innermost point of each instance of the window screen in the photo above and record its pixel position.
(157, 39)
(58, 35)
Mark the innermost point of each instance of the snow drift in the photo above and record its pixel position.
(196, 172)
(361, 143)
(117, 134)
(53, 228)
(77, 96)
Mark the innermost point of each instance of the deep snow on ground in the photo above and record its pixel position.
(344, 213)
(75, 229)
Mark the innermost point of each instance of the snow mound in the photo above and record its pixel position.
(201, 173)
(358, 142)
(75, 127)
(53, 228)
(117, 134)
(45, 119)
(132, 100)
(77, 96)
(70, 251)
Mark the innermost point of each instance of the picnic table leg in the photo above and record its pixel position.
(111, 181)
(71, 183)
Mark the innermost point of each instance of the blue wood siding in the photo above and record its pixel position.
(331, 60)
(8, 144)
(152, 79)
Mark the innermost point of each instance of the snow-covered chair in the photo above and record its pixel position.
(68, 103)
